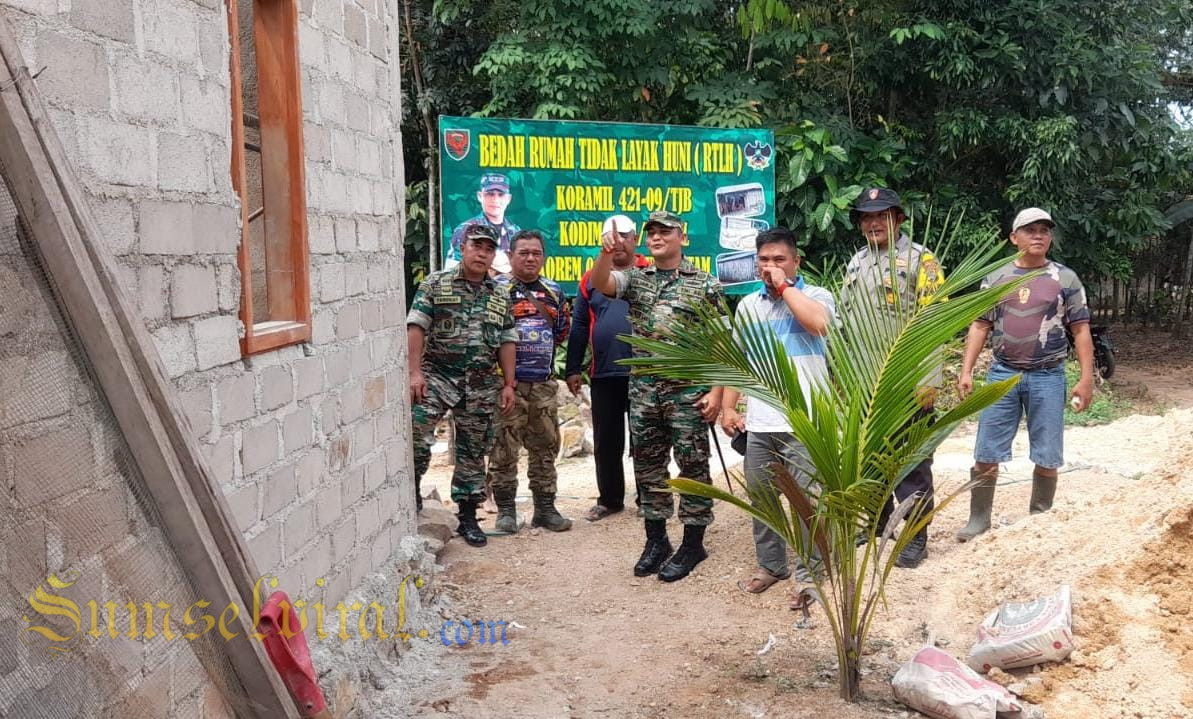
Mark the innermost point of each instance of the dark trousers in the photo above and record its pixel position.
(918, 480)
(610, 404)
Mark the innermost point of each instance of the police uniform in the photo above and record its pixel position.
(915, 277)
(662, 416)
(465, 324)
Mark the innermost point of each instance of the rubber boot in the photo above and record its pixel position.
(981, 503)
(546, 516)
(658, 548)
(507, 513)
(690, 553)
(469, 529)
(1043, 489)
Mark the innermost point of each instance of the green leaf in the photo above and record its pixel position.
(823, 215)
(799, 170)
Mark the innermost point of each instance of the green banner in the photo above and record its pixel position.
(566, 178)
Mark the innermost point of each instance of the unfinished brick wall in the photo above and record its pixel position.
(308, 442)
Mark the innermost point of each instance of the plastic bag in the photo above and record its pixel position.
(938, 685)
(1020, 634)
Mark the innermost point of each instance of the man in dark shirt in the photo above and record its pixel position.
(596, 321)
(1029, 340)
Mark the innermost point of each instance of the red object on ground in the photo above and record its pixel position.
(290, 656)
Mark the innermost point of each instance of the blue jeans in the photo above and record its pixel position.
(1040, 395)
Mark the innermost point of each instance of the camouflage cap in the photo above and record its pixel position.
(664, 218)
(480, 231)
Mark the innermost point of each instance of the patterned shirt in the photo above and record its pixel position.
(538, 336)
(1029, 324)
(914, 278)
(465, 323)
(657, 297)
(805, 350)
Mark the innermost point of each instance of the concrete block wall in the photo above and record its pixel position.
(310, 443)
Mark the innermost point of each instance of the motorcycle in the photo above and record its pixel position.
(1103, 349)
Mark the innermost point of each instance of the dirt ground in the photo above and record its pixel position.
(594, 641)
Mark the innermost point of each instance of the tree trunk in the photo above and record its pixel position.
(1115, 312)
(1183, 296)
(849, 675)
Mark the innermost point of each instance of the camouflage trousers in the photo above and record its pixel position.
(663, 420)
(533, 424)
(473, 402)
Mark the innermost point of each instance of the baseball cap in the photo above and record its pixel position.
(664, 218)
(619, 223)
(1030, 215)
(478, 231)
(495, 181)
(877, 199)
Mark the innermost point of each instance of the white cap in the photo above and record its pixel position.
(1030, 215)
(621, 222)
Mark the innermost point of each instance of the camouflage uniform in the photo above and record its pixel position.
(534, 421)
(662, 416)
(465, 324)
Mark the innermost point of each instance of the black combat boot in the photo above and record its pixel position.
(507, 515)
(546, 515)
(914, 552)
(469, 529)
(690, 553)
(658, 548)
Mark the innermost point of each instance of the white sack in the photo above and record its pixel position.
(1022, 634)
(938, 685)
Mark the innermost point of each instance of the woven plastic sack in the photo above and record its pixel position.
(938, 685)
(1022, 634)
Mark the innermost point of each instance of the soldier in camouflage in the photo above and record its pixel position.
(913, 279)
(542, 319)
(458, 329)
(665, 415)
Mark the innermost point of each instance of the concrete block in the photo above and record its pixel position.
(279, 490)
(384, 200)
(151, 292)
(338, 366)
(356, 278)
(343, 150)
(94, 522)
(277, 387)
(370, 315)
(329, 14)
(197, 405)
(36, 7)
(49, 466)
(374, 474)
(362, 363)
(321, 236)
(228, 287)
(206, 104)
(327, 415)
(310, 47)
(379, 280)
(181, 228)
(335, 195)
(338, 450)
(214, 51)
(115, 20)
(308, 377)
(357, 111)
(221, 459)
(383, 354)
(146, 89)
(171, 29)
(355, 27)
(297, 430)
(348, 322)
(243, 503)
(114, 215)
(118, 153)
(193, 291)
(328, 502)
(176, 347)
(365, 70)
(351, 403)
(266, 547)
(317, 562)
(323, 325)
(343, 539)
(362, 438)
(339, 59)
(393, 312)
(345, 234)
(259, 446)
(360, 192)
(310, 470)
(235, 398)
(217, 341)
(387, 426)
(76, 74)
(299, 528)
(331, 282)
(216, 228)
(182, 163)
(368, 236)
(378, 44)
(374, 394)
(331, 99)
(368, 522)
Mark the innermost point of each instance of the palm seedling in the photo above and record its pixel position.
(862, 435)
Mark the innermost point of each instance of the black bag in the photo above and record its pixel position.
(739, 442)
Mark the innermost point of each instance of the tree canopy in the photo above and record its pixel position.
(963, 104)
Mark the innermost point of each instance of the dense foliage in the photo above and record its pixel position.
(967, 104)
